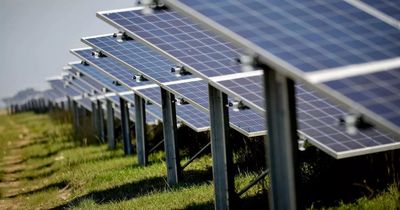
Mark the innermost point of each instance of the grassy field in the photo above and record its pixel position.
(43, 167)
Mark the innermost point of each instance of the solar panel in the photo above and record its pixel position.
(152, 110)
(310, 40)
(378, 92)
(239, 120)
(309, 35)
(109, 67)
(138, 56)
(188, 114)
(179, 38)
(388, 7)
(318, 119)
(88, 83)
(85, 103)
(246, 121)
(54, 95)
(104, 81)
(57, 84)
(101, 79)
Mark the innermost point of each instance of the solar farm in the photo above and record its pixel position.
(301, 80)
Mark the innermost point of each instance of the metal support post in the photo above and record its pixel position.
(94, 119)
(126, 134)
(100, 121)
(170, 137)
(281, 146)
(140, 126)
(110, 125)
(75, 112)
(221, 150)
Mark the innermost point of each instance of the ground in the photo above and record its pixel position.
(43, 167)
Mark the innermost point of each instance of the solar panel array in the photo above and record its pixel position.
(312, 41)
(346, 50)
(247, 122)
(100, 81)
(188, 114)
(211, 57)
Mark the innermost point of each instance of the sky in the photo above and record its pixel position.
(36, 37)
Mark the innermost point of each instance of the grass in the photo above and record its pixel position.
(55, 171)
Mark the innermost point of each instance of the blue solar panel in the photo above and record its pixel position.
(188, 114)
(81, 86)
(57, 93)
(378, 92)
(90, 83)
(246, 122)
(388, 7)
(305, 39)
(152, 110)
(136, 55)
(109, 67)
(318, 119)
(105, 80)
(85, 103)
(71, 92)
(101, 79)
(182, 39)
(309, 35)
(58, 84)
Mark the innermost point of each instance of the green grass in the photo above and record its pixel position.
(59, 172)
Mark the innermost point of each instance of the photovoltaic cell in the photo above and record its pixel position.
(188, 114)
(181, 39)
(104, 81)
(101, 79)
(136, 55)
(245, 121)
(88, 84)
(57, 85)
(109, 66)
(152, 110)
(378, 92)
(85, 103)
(388, 7)
(318, 120)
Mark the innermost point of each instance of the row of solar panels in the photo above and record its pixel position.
(160, 49)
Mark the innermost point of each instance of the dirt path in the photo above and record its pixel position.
(11, 164)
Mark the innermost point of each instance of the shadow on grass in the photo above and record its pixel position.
(33, 143)
(136, 189)
(58, 185)
(40, 167)
(259, 201)
(40, 175)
